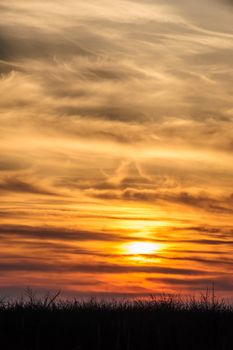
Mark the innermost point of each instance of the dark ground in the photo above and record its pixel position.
(158, 324)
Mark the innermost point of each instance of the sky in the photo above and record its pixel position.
(116, 140)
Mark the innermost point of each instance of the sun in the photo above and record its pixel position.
(141, 248)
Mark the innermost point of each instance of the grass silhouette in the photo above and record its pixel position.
(166, 322)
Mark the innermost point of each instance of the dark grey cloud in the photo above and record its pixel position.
(202, 200)
(218, 262)
(229, 2)
(110, 112)
(211, 241)
(28, 265)
(204, 251)
(57, 249)
(203, 229)
(17, 291)
(57, 234)
(5, 66)
(8, 163)
(31, 43)
(201, 284)
(19, 186)
(202, 241)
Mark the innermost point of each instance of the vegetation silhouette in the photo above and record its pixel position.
(160, 323)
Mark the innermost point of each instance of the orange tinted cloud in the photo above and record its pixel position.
(116, 127)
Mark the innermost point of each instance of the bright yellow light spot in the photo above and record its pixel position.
(137, 248)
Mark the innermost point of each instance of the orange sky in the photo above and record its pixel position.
(116, 135)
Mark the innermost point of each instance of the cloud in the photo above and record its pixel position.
(222, 262)
(60, 234)
(17, 185)
(16, 291)
(201, 284)
(115, 123)
(27, 265)
(10, 164)
(202, 200)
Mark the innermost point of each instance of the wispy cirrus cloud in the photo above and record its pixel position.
(116, 126)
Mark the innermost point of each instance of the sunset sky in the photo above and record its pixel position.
(116, 140)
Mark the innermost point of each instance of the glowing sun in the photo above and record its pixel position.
(137, 248)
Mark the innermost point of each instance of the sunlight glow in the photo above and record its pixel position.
(137, 248)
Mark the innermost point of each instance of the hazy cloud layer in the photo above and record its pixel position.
(116, 125)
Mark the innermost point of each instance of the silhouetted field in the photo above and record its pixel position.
(160, 323)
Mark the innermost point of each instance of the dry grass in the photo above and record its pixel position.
(167, 322)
